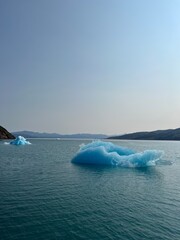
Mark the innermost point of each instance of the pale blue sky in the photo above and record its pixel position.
(97, 66)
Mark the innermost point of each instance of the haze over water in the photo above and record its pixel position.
(44, 196)
(110, 66)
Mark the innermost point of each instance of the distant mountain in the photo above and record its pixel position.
(4, 134)
(169, 134)
(29, 134)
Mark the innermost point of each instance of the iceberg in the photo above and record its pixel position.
(19, 141)
(107, 153)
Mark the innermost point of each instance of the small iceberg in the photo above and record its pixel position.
(19, 141)
(107, 153)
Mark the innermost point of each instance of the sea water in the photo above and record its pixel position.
(43, 195)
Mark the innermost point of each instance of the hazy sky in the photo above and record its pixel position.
(97, 66)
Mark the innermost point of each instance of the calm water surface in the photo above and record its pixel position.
(44, 196)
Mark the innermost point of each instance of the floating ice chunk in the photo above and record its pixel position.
(20, 141)
(107, 153)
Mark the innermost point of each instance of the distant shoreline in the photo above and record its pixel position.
(159, 135)
(31, 134)
(163, 135)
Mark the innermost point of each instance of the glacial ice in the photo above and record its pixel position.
(107, 153)
(20, 141)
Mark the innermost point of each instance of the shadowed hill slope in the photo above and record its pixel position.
(4, 134)
(170, 134)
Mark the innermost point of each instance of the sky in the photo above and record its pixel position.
(89, 66)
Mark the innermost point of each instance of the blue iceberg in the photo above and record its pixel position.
(107, 153)
(20, 141)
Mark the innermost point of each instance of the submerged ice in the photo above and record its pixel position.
(107, 153)
(20, 141)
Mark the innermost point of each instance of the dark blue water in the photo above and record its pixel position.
(44, 196)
